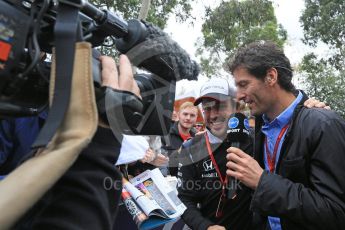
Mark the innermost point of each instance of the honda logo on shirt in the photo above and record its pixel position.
(208, 165)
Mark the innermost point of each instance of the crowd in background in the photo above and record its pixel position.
(286, 174)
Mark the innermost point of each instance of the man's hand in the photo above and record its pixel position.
(149, 156)
(312, 102)
(243, 167)
(160, 160)
(200, 133)
(121, 81)
(216, 227)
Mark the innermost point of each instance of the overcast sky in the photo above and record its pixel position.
(287, 13)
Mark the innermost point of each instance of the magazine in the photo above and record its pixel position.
(155, 201)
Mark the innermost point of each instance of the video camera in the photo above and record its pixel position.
(29, 29)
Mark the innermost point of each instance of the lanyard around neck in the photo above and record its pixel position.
(224, 180)
(271, 158)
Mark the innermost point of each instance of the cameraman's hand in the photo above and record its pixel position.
(121, 79)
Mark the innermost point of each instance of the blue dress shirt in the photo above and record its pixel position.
(271, 131)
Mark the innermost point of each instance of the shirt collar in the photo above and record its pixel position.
(285, 116)
(212, 138)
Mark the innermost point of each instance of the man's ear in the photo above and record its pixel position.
(271, 76)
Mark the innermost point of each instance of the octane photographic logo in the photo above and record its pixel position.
(153, 48)
(137, 55)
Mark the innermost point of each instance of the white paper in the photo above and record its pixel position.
(133, 148)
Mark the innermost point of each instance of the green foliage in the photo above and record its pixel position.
(207, 67)
(233, 24)
(324, 82)
(159, 12)
(324, 21)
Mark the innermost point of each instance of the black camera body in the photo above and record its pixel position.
(27, 31)
(14, 29)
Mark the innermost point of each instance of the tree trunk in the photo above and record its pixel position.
(144, 10)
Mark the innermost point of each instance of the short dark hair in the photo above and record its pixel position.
(258, 57)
